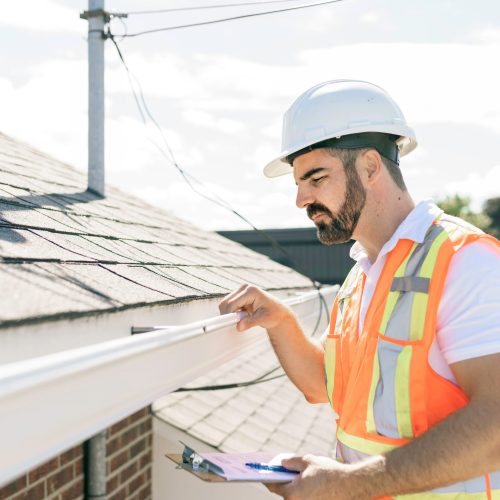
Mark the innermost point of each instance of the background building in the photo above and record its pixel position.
(326, 264)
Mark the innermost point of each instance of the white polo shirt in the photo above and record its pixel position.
(468, 322)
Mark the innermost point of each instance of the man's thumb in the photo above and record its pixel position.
(294, 463)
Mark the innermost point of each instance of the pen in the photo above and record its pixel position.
(272, 468)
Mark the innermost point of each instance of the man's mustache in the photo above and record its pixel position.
(317, 208)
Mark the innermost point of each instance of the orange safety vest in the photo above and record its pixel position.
(380, 382)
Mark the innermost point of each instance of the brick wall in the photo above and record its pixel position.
(128, 467)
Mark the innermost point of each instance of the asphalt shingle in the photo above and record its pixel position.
(68, 252)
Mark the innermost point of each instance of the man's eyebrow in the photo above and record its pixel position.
(311, 172)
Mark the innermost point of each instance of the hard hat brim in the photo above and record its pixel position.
(279, 166)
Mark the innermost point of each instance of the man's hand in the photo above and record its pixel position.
(262, 309)
(321, 478)
(301, 357)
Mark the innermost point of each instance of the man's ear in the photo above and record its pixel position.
(371, 165)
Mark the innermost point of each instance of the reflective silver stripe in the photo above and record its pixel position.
(410, 284)
(419, 254)
(399, 324)
(495, 480)
(384, 405)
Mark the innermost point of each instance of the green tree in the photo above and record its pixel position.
(460, 207)
(491, 208)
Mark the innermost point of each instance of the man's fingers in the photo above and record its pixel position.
(295, 463)
(249, 320)
(278, 488)
(226, 304)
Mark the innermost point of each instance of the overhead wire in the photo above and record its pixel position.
(206, 7)
(190, 179)
(226, 19)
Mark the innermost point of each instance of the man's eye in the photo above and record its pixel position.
(316, 180)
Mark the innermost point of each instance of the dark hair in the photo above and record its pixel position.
(348, 158)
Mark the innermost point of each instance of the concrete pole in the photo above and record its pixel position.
(96, 97)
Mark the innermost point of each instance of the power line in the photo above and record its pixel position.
(234, 18)
(189, 178)
(143, 111)
(206, 7)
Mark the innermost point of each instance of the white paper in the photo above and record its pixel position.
(233, 465)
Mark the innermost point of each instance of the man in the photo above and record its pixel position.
(412, 357)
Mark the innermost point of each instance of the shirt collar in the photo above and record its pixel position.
(414, 227)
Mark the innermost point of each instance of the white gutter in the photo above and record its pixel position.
(51, 403)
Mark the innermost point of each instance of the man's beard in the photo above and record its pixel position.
(342, 225)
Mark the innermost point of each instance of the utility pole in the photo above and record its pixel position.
(97, 18)
(95, 447)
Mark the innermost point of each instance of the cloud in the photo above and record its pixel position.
(201, 98)
(485, 35)
(478, 187)
(41, 16)
(207, 120)
(370, 18)
(49, 110)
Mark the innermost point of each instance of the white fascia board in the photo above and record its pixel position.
(53, 402)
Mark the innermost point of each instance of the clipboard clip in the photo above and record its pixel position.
(191, 460)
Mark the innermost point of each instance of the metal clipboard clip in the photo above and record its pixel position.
(192, 461)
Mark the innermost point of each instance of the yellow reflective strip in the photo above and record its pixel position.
(330, 355)
(363, 445)
(495, 494)
(420, 300)
(431, 257)
(370, 417)
(392, 297)
(445, 496)
(402, 392)
(418, 315)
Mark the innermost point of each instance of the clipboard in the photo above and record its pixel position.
(210, 472)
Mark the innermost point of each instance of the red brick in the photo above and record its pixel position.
(128, 472)
(78, 466)
(138, 448)
(113, 445)
(146, 426)
(74, 491)
(128, 436)
(119, 426)
(139, 415)
(119, 495)
(112, 484)
(137, 483)
(70, 455)
(117, 461)
(60, 479)
(145, 493)
(145, 459)
(35, 492)
(43, 470)
(13, 487)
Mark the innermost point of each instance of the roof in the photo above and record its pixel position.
(65, 253)
(270, 416)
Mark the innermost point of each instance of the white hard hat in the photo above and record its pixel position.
(335, 109)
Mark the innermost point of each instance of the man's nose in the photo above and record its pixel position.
(304, 197)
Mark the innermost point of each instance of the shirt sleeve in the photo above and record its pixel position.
(468, 323)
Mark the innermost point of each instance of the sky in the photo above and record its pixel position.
(218, 92)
